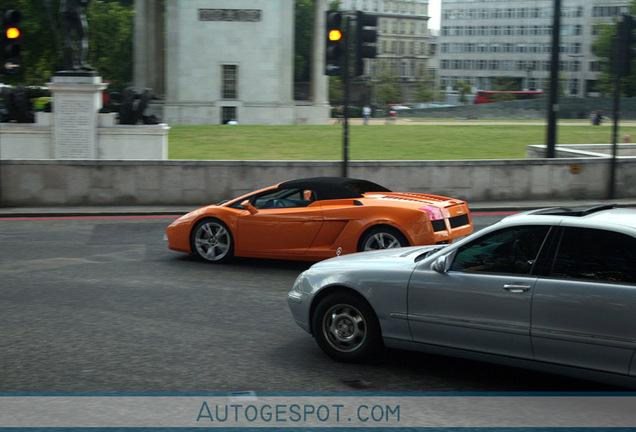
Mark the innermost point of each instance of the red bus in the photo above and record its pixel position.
(484, 96)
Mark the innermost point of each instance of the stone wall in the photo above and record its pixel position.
(29, 183)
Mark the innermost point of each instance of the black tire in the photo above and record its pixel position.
(346, 327)
(212, 241)
(383, 237)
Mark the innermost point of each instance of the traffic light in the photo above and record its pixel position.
(11, 39)
(626, 40)
(365, 39)
(335, 40)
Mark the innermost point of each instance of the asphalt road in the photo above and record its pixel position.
(100, 304)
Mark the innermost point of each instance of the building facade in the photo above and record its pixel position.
(214, 61)
(489, 43)
(403, 35)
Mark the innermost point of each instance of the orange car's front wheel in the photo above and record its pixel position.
(212, 240)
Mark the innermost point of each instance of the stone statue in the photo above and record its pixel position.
(73, 14)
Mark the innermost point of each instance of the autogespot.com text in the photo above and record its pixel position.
(236, 413)
(309, 410)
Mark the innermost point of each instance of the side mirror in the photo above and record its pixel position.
(442, 264)
(247, 205)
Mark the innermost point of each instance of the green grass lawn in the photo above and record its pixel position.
(376, 142)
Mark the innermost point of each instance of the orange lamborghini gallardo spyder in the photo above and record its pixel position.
(318, 218)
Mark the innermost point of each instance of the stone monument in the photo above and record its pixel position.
(76, 90)
(75, 129)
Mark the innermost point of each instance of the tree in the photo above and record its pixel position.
(387, 88)
(504, 84)
(40, 53)
(602, 47)
(336, 90)
(334, 5)
(110, 40)
(464, 88)
(303, 37)
(425, 88)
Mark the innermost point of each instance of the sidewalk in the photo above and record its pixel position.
(95, 211)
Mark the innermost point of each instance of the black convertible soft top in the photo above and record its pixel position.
(326, 188)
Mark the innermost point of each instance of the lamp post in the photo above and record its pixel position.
(553, 99)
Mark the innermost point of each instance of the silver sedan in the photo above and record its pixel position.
(549, 289)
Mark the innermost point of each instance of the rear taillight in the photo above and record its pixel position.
(434, 213)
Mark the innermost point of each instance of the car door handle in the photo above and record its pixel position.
(513, 288)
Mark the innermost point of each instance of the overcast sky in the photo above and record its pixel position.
(434, 13)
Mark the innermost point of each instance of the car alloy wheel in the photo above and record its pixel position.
(212, 241)
(346, 327)
(382, 238)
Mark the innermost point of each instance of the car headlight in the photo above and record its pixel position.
(298, 289)
(303, 283)
(298, 283)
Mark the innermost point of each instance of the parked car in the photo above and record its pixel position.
(552, 288)
(318, 218)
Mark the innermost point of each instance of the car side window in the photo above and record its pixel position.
(593, 254)
(511, 250)
(283, 198)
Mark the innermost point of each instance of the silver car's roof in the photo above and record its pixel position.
(601, 218)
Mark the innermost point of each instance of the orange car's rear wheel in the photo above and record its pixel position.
(383, 237)
(212, 240)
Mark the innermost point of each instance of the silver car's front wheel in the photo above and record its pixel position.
(346, 327)
(212, 240)
(382, 238)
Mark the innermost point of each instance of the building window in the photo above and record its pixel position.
(596, 66)
(228, 114)
(230, 82)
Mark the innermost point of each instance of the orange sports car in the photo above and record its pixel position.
(318, 218)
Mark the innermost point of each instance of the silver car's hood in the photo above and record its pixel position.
(385, 256)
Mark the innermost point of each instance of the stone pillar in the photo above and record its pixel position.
(148, 46)
(76, 103)
(319, 81)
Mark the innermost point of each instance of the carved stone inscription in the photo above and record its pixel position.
(242, 15)
(75, 129)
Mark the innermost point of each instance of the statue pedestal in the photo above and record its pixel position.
(77, 100)
(76, 130)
